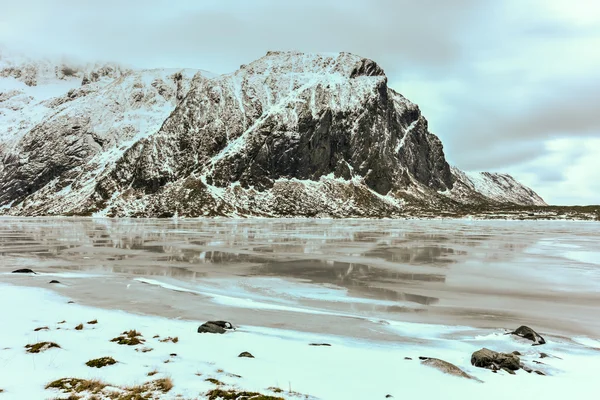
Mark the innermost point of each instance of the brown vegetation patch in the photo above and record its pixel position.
(101, 362)
(233, 395)
(129, 338)
(68, 385)
(41, 328)
(41, 346)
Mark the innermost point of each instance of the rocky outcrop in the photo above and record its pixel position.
(486, 358)
(447, 368)
(288, 134)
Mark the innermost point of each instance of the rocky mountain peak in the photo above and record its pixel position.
(345, 65)
(288, 134)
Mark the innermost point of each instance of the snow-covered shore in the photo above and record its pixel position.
(348, 369)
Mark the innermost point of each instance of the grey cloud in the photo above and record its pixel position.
(496, 117)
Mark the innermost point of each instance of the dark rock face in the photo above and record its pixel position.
(215, 327)
(528, 333)
(447, 368)
(486, 358)
(289, 116)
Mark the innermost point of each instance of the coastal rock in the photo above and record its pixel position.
(215, 327)
(486, 358)
(528, 333)
(447, 368)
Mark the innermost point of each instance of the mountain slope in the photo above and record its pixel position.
(288, 134)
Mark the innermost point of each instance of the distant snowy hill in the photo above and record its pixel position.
(290, 134)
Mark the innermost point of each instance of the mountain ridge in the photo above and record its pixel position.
(290, 134)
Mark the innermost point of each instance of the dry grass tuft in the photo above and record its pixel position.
(170, 339)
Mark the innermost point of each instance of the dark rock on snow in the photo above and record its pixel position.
(23, 271)
(54, 281)
(215, 327)
(528, 333)
(320, 344)
(486, 358)
(245, 354)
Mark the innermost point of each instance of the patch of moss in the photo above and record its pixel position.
(170, 339)
(101, 362)
(233, 395)
(41, 346)
(214, 381)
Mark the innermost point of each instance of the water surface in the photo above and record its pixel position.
(352, 277)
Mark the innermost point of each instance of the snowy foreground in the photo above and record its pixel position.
(285, 365)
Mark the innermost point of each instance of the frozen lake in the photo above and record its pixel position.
(349, 277)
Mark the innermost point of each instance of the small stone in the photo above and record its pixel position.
(54, 281)
(79, 327)
(23, 271)
(528, 333)
(173, 354)
(388, 396)
(544, 355)
(319, 344)
(215, 327)
(539, 373)
(407, 358)
(41, 328)
(246, 355)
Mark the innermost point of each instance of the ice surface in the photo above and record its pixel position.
(378, 291)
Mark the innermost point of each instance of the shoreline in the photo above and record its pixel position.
(283, 358)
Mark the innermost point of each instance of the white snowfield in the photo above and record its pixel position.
(348, 369)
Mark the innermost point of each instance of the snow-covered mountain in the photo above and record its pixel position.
(288, 134)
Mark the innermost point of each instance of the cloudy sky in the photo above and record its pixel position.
(508, 85)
